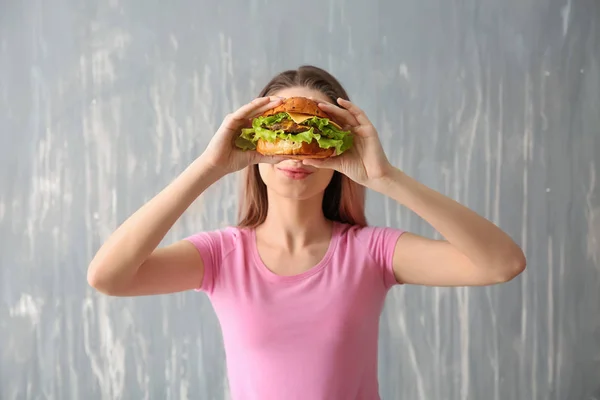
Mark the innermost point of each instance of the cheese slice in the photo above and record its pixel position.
(300, 118)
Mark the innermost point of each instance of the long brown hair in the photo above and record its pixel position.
(343, 200)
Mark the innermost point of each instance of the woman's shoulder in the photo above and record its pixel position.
(226, 238)
(367, 235)
(379, 242)
(361, 231)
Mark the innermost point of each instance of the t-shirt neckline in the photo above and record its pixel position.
(272, 276)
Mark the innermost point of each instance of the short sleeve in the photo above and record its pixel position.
(210, 247)
(381, 242)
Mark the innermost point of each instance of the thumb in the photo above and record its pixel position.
(326, 163)
(263, 159)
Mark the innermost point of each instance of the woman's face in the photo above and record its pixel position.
(290, 178)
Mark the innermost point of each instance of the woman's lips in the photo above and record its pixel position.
(295, 173)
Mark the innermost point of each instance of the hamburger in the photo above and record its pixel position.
(297, 128)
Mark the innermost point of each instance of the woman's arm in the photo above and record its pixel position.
(476, 252)
(129, 263)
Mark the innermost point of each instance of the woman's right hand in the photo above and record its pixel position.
(222, 154)
(129, 263)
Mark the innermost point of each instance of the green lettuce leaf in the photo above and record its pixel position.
(330, 135)
(327, 129)
(270, 120)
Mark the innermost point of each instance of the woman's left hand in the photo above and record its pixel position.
(365, 162)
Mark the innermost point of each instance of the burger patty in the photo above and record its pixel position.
(291, 127)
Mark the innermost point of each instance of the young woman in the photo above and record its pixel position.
(299, 285)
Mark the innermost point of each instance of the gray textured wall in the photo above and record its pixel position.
(496, 103)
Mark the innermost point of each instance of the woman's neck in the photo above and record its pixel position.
(293, 224)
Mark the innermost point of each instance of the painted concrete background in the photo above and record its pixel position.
(495, 103)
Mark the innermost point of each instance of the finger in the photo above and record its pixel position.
(359, 114)
(246, 123)
(255, 107)
(262, 159)
(257, 158)
(275, 101)
(338, 114)
(325, 163)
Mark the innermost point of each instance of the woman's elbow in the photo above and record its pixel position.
(99, 280)
(513, 267)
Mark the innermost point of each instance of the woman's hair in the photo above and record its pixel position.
(344, 199)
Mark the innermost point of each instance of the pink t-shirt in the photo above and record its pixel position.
(311, 336)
